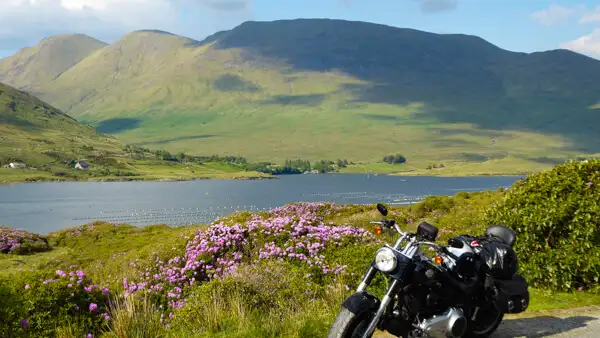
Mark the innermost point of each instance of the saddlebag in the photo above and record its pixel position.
(500, 260)
(510, 296)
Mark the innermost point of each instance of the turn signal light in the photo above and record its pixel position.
(438, 260)
(378, 230)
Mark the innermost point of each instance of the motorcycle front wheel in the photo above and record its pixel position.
(350, 325)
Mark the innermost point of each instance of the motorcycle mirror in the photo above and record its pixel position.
(382, 209)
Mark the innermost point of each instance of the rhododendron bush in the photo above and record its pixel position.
(294, 233)
(21, 242)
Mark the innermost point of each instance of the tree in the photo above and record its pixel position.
(394, 159)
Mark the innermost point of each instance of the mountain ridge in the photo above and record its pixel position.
(323, 88)
(44, 62)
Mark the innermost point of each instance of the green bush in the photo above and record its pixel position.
(48, 304)
(269, 299)
(433, 203)
(10, 311)
(556, 215)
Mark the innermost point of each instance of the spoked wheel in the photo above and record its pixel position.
(486, 322)
(350, 325)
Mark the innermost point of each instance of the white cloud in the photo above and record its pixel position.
(591, 17)
(587, 44)
(436, 6)
(25, 22)
(556, 14)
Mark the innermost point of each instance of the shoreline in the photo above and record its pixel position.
(138, 180)
(257, 177)
(135, 179)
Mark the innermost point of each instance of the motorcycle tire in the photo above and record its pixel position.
(488, 330)
(349, 325)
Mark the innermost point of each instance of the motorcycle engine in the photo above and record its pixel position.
(448, 323)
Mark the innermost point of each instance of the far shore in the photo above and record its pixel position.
(248, 177)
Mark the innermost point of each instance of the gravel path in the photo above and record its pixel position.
(573, 323)
(580, 323)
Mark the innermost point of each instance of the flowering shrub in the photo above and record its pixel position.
(49, 303)
(556, 215)
(21, 242)
(294, 233)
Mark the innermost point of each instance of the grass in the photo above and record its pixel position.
(143, 172)
(205, 99)
(265, 298)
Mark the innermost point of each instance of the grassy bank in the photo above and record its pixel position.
(492, 167)
(282, 273)
(130, 170)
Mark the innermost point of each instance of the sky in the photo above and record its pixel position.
(516, 25)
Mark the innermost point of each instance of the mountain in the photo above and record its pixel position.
(50, 58)
(320, 88)
(34, 132)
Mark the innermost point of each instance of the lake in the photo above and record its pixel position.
(47, 207)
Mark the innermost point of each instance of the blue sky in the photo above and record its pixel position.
(517, 25)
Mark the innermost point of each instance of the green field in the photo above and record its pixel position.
(309, 93)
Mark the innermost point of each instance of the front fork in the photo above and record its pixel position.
(385, 301)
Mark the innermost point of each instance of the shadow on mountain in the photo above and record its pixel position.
(462, 132)
(182, 138)
(17, 122)
(547, 160)
(460, 78)
(118, 125)
(306, 100)
(234, 83)
(538, 327)
(473, 157)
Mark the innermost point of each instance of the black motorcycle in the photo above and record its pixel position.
(464, 290)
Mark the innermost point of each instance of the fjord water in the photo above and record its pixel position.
(47, 207)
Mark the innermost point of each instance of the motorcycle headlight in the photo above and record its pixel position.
(385, 260)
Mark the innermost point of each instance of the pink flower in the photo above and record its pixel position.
(27, 286)
(93, 307)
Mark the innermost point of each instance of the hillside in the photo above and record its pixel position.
(317, 88)
(49, 142)
(32, 66)
(32, 131)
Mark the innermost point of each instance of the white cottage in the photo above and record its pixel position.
(81, 165)
(17, 165)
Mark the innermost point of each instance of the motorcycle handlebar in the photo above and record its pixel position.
(390, 223)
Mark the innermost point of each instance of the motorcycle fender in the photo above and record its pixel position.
(360, 302)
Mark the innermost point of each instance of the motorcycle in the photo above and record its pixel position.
(463, 291)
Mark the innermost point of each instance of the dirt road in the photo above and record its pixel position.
(573, 323)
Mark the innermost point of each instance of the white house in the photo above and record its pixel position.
(16, 165)
(81, 165)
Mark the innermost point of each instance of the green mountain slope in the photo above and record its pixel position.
(316, 88)
(34, 132)
(32, 66)
(49, 142)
